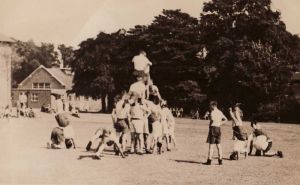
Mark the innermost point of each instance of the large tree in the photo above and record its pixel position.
(67, 54)
(172, 43)
(29, 56)
(251, 57)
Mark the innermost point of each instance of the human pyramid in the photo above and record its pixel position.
(140, 113)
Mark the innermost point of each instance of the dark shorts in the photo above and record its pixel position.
(57, 136)
(122, 125)
(214, 135)
(239, 134)
(137, 74)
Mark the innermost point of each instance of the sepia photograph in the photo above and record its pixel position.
(150, 92)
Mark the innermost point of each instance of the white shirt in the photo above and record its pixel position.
(122, 112)
(68, 132)
(217, 117)
(138, 87)
(169, 116)
(141, 63)
(236, 118)
(260, 142)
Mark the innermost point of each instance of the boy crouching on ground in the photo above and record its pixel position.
(63, 134)
(108, 138)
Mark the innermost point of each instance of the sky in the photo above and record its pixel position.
(72, 21)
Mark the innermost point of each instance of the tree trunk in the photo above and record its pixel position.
(110, 102)
(103, 102)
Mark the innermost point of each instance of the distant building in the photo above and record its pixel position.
(43, 85)
(6, 53)
(296, 86)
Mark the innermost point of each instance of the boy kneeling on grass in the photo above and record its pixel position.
(217, 119)
(261, 142)
(63, 134)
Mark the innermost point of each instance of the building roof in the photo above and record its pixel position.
(4, 38)
(64, 79)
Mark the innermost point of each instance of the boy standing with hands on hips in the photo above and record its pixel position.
(217, 119)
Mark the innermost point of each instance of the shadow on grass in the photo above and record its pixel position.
(186, 161)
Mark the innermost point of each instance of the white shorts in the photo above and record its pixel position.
(146, 126)
(156, 129)
(138, 126)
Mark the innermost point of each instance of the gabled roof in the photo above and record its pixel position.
(61, 77)
(4, 38)
(66, 79)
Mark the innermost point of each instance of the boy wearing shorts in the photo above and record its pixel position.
(217, 119)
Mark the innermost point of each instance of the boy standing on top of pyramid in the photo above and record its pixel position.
(141, 65)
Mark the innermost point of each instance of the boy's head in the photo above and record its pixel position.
(62, 119)
(236, 107)
(213, 105)
(142, 52)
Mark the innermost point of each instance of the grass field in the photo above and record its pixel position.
(24, 158)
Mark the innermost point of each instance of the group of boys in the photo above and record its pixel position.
(258, 139)
(140, 113)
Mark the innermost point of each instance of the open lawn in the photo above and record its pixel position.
(24, 158)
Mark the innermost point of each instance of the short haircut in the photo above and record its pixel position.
(213, 103)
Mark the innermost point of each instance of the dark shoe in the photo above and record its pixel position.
(140, 153)
(220, 161)
(169, 150)
(208, 162)
(88, 146)
(97, 157)
(125, 154)
(148, 152)
(280, 154)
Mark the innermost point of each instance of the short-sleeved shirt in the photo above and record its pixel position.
(69, 132)
(216, 117)
(141, 63)
(122, 110)
(139, 88)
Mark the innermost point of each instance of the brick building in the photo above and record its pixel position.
(44, 84)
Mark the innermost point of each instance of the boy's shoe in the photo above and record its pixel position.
(97, 157)
(280, 154)
(125, 154)
(220, 161)
(168, 149)
(88, 146)
(148, 152)
(208, 162)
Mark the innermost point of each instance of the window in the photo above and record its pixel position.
(34, 97)
(47, 85)
(35, 85)
(41, 85)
